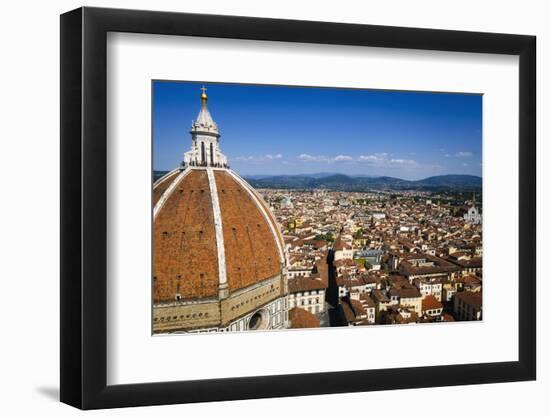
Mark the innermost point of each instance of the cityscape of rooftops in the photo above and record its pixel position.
(282, 207)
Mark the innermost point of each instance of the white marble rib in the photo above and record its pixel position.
(164, 178)
(168, 192)
(222, 273)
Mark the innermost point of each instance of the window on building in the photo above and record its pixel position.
(211, 154)
(257, 321)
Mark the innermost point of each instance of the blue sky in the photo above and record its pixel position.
(272, 130)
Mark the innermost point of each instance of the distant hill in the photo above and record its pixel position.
(353, 183)
(451, 181)
(159, 174)
(343, 182)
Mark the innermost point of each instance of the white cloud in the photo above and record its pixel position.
(343, 158)
(312, 158)
(403, 161)
(464, 154)
(322, 158)
(258, 158)
(371, 158)
(380, 159)
(376, 159)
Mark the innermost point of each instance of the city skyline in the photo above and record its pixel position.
(279, 130)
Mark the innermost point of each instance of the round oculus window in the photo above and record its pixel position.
(259, 320)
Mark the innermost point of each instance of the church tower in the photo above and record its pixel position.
(205, 147)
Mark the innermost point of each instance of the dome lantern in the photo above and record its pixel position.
(205, 140)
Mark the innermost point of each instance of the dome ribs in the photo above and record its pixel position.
(184, 243)
(250, 247)
(268, 212)
(162, 185)
(239, 262)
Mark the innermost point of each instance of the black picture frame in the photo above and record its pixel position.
(84, 207)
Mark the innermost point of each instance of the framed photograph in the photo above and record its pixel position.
(258, 208)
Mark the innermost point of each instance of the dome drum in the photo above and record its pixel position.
(194, 315)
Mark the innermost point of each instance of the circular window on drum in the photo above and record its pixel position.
(259, 320)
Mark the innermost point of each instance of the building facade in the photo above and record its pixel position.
(467, 305)
(473, 216)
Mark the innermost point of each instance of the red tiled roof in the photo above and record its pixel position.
(302, 319)
(471, 298)
(300, 284)
(162, 184)
(430, 303)
(185, 226)
(185, 255)
(251, 253)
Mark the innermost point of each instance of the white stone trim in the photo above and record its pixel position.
(168, 192)
(278, 320)
(222, 273)
(263, 209)
(164, 177)
(263, 283)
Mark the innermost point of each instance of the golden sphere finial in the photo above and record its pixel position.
(204, 97)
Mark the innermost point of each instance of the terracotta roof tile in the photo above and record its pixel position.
(162, 184)
(183, 227)
(472, 298)
(430, 303)
(185, 254)
(302, 319)
(251, 252)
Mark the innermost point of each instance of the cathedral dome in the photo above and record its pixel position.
(218, 254)
(211, 228)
